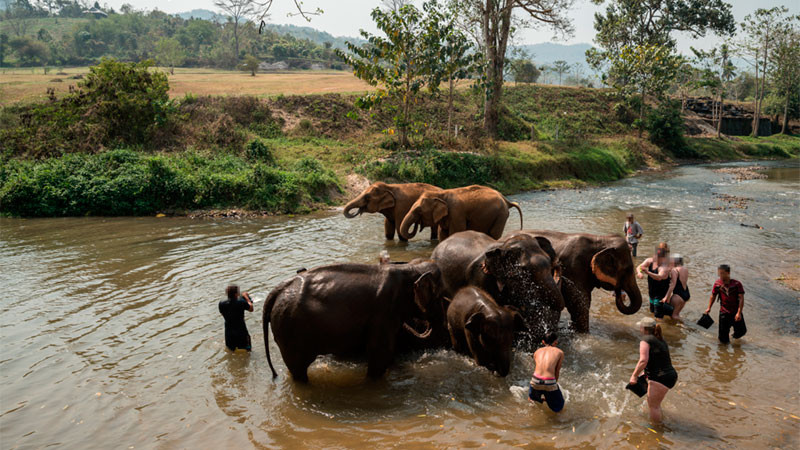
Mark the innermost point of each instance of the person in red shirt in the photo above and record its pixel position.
(731, 302)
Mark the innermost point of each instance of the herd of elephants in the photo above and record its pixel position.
(479, 293)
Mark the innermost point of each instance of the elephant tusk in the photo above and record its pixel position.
(417, 334)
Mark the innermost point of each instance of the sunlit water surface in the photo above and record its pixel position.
(111, 336)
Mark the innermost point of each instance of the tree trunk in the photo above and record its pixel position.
(785, 127)
(719, 115)
(754, 131)
(450, 109)
(641, 114)
(495, 25)
(236, 38)
(172, 70)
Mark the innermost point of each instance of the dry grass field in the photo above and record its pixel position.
(22, 85)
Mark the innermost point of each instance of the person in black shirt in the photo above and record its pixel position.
(655, 362)
(232, 309)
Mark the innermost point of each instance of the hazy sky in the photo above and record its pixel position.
(346, 17)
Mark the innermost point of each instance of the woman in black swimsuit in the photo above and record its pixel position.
(678, 293)
(655, 362)
(657, 272)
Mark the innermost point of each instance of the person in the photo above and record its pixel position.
(384, 257)
(731, 301)
(678, 293)
(655, 362)
(232, 309)
(544, 383)
(633, 232)
(657, 272)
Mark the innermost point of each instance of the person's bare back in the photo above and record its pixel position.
(548, 362)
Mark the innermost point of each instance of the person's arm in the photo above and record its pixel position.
(639, 230)
(558, 366)
(644, 357)
(246, 296)
(640, 270)
(711, 300)
(741, 307)
(662, 273)
(673, 280)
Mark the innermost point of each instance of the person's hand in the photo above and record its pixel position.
(707, 311)
(738, 317)
(640, 275)
(634, 380)
(664, 300)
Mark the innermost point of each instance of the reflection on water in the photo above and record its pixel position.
(110, 330)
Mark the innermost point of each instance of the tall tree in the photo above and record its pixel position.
(449, 50)
(759, 31)
(396, 62)
(637, 49)
(716, 72)
(170, 53)
(496, 20)
(785, 66)
(560, 67)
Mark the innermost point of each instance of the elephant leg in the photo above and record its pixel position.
(578, 303)
(434, 233)
(388, 229)
(298, 363)
(380, 353)
(497, 229)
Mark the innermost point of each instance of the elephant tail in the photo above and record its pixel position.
(516, 205)
(265, 318)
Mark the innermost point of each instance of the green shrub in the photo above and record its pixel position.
(511, 127)
(665, 126)
(258, 150)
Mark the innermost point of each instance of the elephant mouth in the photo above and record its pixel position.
(349, 214)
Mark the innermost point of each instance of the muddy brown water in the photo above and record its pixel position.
(111, 336)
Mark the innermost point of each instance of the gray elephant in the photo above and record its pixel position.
(519, 271)
(591, 261)
(347, 310)
(481, 328)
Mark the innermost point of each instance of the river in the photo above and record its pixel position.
(111, 337)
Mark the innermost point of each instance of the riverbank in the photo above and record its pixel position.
(296, 154)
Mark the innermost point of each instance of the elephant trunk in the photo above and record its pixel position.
(355, 203)
(412, 218)
(632, 289)
(424, 335)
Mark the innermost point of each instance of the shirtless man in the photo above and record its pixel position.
(544, 384)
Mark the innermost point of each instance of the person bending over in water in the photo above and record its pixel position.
(544, 383)
(655, 362)
(657, 271)
(232, 309)
(678, 293)
(731, 301)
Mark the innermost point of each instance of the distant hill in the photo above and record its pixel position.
(312, 34)
(201, 14)
(549, 52)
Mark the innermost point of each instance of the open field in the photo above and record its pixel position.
(31, 84)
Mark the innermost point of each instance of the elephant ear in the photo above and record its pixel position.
(424, 289)
(386, 200)
(440, 210)
(545, 244)
(474, 323)
(519, 321)
(605, 266)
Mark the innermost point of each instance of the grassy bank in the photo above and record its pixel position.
(288, 154)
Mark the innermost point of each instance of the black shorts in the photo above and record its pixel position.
(554, 399)
(667, 379)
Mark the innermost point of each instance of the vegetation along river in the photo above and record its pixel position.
(111, 337)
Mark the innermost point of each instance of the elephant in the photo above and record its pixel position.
(481, 328)
(519, 271)
(347, 310)
(591, 261)
(391, 200)
(477, 208)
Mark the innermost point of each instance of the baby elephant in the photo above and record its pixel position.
(481, 328)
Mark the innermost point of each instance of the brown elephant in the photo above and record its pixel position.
(481, 328)
(477, 208)
(347, 310)
(591, 261)
(391, 200)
